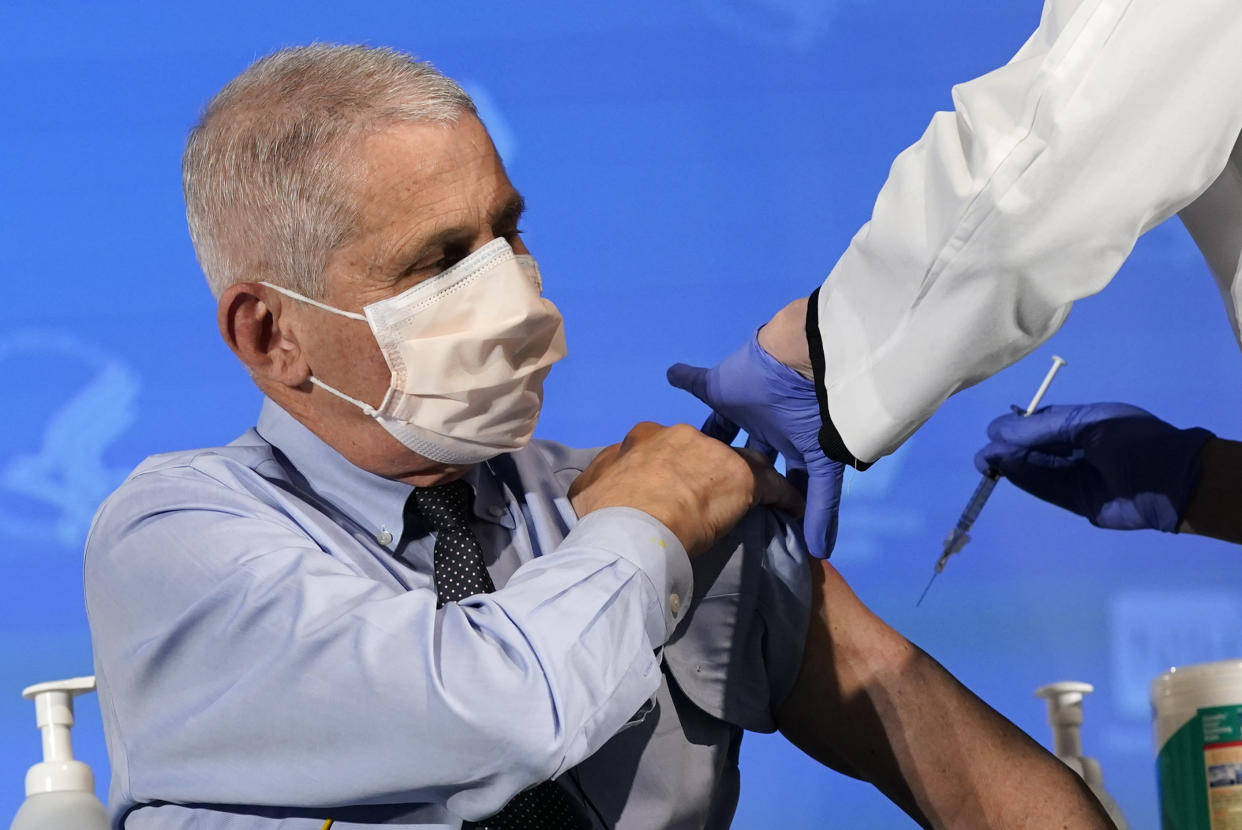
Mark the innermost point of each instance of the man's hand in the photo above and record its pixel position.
(1118, 465)
(695, 486)
(777, 407)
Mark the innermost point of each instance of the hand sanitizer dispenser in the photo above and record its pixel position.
(1065, 716)
(60, 792)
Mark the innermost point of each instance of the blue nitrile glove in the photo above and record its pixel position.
(1118, 465)
(778, 409)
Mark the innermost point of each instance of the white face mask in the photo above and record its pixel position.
(468, 350)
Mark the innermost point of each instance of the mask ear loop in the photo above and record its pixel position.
(365, 407)
(353, 315)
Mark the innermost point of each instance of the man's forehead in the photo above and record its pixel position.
(425, 146)
(438, 167)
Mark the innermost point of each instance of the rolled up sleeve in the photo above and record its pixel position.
(738, 652)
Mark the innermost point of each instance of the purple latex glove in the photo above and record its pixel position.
(778, 409)
(1118, 465)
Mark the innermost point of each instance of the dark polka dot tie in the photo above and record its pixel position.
(459, 572)
(457, 557)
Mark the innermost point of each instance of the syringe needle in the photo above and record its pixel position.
(958, 536)
(952, 544)
(928, 588)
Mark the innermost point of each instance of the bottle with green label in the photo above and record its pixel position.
(1197, 711)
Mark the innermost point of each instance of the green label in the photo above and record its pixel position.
(1199, 769)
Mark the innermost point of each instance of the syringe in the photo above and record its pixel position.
(959, 535)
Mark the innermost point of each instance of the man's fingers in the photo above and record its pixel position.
(771, 488)
(757, 444)
(796, 475)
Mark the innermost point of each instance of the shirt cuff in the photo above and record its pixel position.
(652, 548)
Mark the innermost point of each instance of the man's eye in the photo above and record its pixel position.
(451, 257)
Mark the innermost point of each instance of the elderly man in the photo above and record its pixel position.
(385, 605)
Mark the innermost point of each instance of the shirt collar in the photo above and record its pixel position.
(375, 502)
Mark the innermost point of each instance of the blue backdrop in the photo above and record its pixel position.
(690, 167)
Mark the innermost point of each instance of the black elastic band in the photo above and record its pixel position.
(829, 438)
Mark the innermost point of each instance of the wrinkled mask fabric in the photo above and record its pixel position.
(468, 351)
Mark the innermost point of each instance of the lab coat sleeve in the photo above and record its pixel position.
(243, 664)
(1215, 223)
(1027, 196)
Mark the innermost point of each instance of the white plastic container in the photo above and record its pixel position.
(1065, 717)
(60, 791)
(1197, 715)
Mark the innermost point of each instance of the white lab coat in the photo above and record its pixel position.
(1112, 117)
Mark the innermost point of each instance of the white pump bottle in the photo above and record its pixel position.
(1065, 716)
(60, 792)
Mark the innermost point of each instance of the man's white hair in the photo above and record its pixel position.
(267, 169)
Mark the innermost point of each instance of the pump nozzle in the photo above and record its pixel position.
(1065, 715)
(54, 714)
(60, 792)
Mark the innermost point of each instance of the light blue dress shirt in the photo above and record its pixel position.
(269, 653)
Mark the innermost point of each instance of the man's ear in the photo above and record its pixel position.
(249, 316)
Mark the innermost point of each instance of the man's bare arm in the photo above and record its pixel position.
(872, 704)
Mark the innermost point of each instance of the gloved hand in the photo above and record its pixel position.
(778, 409)
(1118, 465)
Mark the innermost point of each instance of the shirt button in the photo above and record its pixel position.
(383, 537)
(496, 511)
(674, 603)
